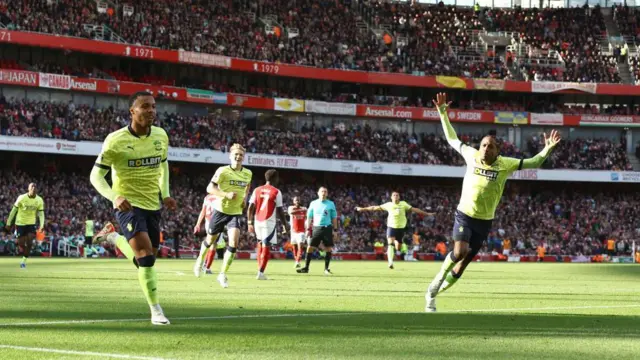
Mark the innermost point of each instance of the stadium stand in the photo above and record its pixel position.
(215, 131)
(546, 105)
(423, 39)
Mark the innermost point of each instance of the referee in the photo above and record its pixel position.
(322, 212)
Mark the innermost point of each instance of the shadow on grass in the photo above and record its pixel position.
(324, 323)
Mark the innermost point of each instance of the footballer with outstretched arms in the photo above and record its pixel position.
(482, 187)
(396, 221)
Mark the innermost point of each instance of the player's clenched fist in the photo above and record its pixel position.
(230, 195)
(122, 204)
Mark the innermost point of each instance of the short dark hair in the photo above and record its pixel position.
(135, 96)
(271, 175)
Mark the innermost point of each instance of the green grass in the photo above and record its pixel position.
(496, 311)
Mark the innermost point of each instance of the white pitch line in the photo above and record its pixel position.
(80, 353)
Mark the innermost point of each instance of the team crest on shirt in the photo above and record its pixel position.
(491, 175)
(158, 145)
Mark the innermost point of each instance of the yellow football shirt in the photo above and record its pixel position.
(28, 209)
(483, 185)
(88, 228)
(397, 218)
(135, 165)
(231, 180)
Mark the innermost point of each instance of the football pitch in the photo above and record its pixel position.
(94, 309)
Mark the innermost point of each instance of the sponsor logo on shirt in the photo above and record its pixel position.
(238, 183)
(26, 207)
(146, 162)
(491, 175)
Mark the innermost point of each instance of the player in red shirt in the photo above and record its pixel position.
(205, 214)
(298, 216)
(264, 203)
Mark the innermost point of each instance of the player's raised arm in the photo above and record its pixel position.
(442, 105)
(550, 143)
(370, 208)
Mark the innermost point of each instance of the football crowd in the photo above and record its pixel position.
(564, 222)
(215, 131)
(324, 33)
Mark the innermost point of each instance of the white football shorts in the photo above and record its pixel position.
(298, 238)
(266, 231)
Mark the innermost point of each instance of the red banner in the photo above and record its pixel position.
(64, 82)
(80, 84)
(475, 116)
(423, 114)
(387, 112)
(174, 56)
(18, 77)
(247, 101)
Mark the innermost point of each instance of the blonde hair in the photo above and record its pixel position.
(239, 147)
